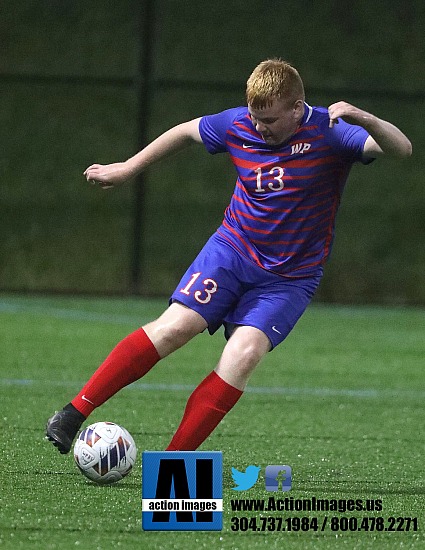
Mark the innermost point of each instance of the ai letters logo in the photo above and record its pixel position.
(182, 491)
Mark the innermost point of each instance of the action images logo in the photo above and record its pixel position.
(182, 491)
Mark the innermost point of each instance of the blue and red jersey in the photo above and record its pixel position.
(282, 212)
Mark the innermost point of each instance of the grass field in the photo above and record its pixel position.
(341, 402)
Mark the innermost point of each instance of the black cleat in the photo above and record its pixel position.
(62, 428)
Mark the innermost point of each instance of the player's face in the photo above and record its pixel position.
(278, 122)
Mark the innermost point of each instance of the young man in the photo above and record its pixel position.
(259, 271)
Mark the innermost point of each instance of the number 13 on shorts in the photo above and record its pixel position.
(201, 296)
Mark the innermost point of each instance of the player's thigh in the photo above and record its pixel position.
(212, 285)
(174, 328)
(244, 350)
(274, 307)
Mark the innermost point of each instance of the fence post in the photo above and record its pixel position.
(143, 84)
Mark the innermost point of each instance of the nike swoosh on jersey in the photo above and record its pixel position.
(275, 329)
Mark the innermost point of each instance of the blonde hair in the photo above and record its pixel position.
(273, 79)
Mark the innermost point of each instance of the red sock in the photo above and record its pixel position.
(206, 407)
(131, 359)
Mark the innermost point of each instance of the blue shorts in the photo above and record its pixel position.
(226, 288)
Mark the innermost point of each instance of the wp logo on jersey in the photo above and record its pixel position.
(182, 491)
(300, 148)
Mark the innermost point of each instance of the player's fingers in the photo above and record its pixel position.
(101, 184)
(91, 169)
(91, 175)
(331, 117)
(332, 121)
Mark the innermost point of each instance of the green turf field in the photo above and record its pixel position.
(341, 402)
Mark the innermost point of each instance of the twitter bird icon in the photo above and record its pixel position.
(245, 480)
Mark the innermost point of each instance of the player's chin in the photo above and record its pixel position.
(272, 140)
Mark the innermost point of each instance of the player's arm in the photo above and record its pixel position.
(178, 137)
(384, 137)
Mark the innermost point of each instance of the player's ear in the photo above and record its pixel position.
(298, 109)
(298, 106)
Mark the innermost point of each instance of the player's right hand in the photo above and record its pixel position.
(107, 176)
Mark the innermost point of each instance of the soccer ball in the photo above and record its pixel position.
(105, 452)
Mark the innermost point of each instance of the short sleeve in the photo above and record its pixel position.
(213, 129)
(348, 140)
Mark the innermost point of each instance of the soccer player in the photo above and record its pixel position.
(260, 269)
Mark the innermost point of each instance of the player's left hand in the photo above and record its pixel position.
(107, 176)
(350, 113)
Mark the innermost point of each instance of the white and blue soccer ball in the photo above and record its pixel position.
(105, 452)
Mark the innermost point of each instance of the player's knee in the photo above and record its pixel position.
(177, 336)
(246, 354)
(174, 328)
(250, 356)
(250, 345)
(237, 364)
(168, 337)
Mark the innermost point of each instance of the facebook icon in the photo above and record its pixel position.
(278, 475)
